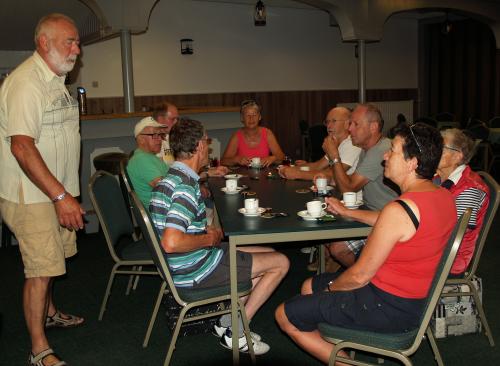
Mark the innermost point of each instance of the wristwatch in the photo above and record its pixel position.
(329, 283)
(333, 161)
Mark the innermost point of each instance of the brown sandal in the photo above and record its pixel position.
(38, 359)
(57, 320)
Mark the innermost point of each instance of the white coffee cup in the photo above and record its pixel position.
(251, 205)
(231, 185)
(349, 198)
(314, 208)
(359, 196)
(321, 184)
(255, 162)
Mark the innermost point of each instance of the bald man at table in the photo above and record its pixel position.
(337, 123)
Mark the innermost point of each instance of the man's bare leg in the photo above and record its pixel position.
(271, 267)
(341, 253)
(51, 308)
(254, 249)
(35, 293)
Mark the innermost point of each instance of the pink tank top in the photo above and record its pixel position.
(260, 151)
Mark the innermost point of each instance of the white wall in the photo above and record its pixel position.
(297, 50)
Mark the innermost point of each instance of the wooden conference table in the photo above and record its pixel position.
(282, 196)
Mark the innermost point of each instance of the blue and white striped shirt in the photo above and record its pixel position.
(176, 203)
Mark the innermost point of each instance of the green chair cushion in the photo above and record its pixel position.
(190, 295)
(130, 250)
(392, 341)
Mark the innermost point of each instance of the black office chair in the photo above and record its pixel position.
(428, 121)
(317, 134)
(188, 299)
(494, 122)
(445, 117)
(112, 212)
(477, 129)
(469, 275)
(304, 139)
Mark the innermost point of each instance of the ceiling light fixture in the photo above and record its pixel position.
(259, 16)
(447, 26)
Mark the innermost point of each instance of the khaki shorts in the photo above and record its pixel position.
(44, 244)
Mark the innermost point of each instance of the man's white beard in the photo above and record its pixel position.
(62, 65)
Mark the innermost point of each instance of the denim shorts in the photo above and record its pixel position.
(366, 308)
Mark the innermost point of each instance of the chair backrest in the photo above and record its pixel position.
(125, 177)
(487, 221)
(442, 272)
(427, 120)
(109, 205)
(151, 237)
(445, 117)
(303, 127)
(477, 129)
(494, 122)
(317, 134)
(126, 186)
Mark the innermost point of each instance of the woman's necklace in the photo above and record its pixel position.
(252, 139)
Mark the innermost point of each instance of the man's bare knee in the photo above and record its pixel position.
(339, 248)
(38, 281)
(270, 262)
(306, 288)
(284, 262)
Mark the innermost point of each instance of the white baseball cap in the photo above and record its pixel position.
(145, 122)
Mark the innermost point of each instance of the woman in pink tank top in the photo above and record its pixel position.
(252, 141)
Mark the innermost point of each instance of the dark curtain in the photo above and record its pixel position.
(461, 71)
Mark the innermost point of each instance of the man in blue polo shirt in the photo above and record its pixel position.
(193, 249)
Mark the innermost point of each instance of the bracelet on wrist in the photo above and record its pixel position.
(59, 197)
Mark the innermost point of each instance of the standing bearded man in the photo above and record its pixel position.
(39, 160)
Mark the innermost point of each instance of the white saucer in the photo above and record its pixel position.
(233, 176)
(260, 211)
(355, 206)
(328, 188)
(236, 191)
(305, 215)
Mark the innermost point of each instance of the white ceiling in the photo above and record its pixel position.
(18, 19)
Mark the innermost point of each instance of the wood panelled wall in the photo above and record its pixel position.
(281, 111)
(461, 71)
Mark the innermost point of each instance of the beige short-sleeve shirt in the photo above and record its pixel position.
(35, 102)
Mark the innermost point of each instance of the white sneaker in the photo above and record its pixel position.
(219, 331)
(259, 347)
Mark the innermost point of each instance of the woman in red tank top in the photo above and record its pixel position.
(252, 141)
(386, 288)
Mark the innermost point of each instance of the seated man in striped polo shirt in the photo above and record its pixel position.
(193, 249)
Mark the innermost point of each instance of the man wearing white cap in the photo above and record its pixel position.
(144, 167)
